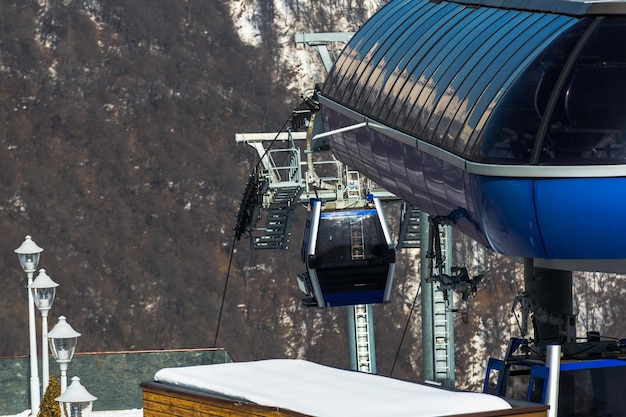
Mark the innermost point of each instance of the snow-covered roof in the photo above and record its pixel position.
(319, 390)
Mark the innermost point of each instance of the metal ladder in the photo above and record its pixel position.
(275, 234)
(443, 327)
(357, 241)
(437, 320)
(363, 338)
(363, 333)
(354, 185)
(441, 332)
(409, 236)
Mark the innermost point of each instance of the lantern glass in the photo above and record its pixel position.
(29, 261)
(77, 409)
(44, 297)
(63, 348)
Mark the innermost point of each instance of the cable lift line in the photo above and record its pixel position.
(335, 193)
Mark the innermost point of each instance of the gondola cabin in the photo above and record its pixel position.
(349, 256)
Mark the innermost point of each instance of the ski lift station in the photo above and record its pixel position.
(503, 119)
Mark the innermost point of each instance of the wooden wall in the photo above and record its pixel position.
(162, 400)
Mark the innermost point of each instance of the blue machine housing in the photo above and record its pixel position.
(589, 384)
(507, 117)
(349, 256)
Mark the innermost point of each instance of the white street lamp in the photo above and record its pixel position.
(28, 254)
(44, 289)
(76, 401)
(63, 340)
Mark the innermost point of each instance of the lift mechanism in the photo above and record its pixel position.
(458, 280)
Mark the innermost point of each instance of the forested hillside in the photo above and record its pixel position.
(117, 123)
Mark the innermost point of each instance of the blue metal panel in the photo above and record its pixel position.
(593, 364)
(397, 151)
(586, 211)
(355, 298)
(413, 160)
(507, 214)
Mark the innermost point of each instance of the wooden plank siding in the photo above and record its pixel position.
(162, 400)
(539, 410)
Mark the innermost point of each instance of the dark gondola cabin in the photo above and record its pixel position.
(349, 256)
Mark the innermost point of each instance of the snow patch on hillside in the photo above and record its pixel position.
(245, 18)
(303, 64)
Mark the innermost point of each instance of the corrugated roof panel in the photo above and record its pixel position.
(464, 71)
(421, 36)
(423, 95)
(421, 66)
(351, 57)
(420, 55)
(406, 31)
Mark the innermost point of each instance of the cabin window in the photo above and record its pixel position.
(349, 236)
(588, 126)
(592, 392)
(510, 134)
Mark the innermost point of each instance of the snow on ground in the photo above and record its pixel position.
(114, 413)
(117, 413)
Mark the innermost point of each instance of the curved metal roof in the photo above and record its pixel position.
(567, 7)
(420, 66)
(437, 71)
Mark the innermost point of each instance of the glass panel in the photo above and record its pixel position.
(511, 131)
(588, 125)
(525, 48)
(592, 392)
(517, 382)
(338, 240)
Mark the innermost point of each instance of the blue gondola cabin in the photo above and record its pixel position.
(349, 256)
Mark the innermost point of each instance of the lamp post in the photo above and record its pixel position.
(76, 401)
(44, 290)
(63, 340)
(28, 254)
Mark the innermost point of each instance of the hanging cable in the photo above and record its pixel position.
(406, 327)
(232, 246)
(282, 129)
(219, 317)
